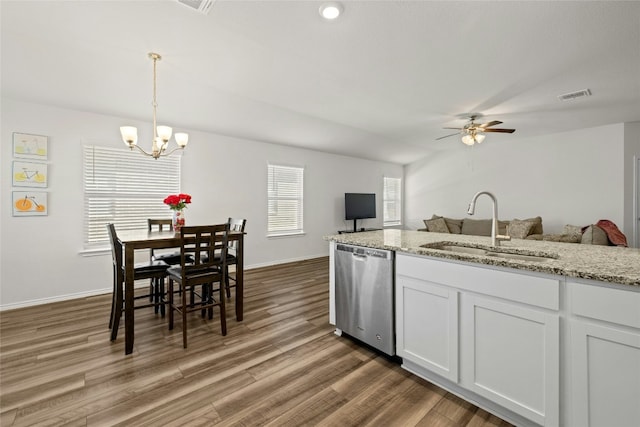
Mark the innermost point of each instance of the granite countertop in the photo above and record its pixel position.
(604, 263)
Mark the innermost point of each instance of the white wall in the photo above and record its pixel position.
(568, 178)
(40, 257)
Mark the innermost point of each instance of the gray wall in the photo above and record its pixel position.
(42, 258)
(571, 178)
(574, 178)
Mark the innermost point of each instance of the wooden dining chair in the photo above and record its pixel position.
(200, 243)
(156, 271)
(171, 258)
(235, 224)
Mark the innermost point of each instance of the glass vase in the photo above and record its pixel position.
(178, 220)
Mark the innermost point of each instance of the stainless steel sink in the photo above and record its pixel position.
(520, 257)
(459, 249)
(498, 252)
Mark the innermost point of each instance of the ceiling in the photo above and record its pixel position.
(378, 83)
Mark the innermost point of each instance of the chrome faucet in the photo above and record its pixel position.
(495, 237)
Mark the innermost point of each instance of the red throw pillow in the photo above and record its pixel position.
(613, 233)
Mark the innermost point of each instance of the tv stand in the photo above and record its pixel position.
(355, 228)
(358, 231)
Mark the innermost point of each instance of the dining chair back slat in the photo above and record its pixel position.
(161, 224)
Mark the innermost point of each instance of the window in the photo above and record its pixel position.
(392, 201)
(124, 188)
(285, 202)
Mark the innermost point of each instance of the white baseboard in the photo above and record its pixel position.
(56, 298)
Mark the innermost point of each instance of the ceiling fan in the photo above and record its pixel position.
(472, 132)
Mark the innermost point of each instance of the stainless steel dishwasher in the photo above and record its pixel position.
(365, 295)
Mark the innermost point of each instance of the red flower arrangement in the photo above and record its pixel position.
(177, 202)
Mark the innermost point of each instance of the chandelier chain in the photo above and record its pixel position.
(155, 58)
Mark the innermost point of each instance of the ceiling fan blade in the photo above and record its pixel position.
(493, 123)
(498, 130)
(447, 136)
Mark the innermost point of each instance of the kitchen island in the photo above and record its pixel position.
(539, 333)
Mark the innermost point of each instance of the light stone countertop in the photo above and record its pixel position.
(604, 263)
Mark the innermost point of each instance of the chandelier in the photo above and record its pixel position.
(161, 134)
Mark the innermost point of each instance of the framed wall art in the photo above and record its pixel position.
(29, 174)
(30, 146)
(30, 203)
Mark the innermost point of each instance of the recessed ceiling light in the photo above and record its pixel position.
(331, 10)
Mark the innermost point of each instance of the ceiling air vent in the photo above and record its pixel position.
(202, 6)
(574, 95)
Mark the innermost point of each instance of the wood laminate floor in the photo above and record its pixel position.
(281, 366)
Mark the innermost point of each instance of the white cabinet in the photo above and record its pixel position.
(606, 376)
(427, 325)
(605, 356)
(510, 355)
(534, 349)
(492, 335)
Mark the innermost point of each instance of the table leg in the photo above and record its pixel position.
(240, 279)
(128, 300)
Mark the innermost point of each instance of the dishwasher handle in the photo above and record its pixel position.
(359, 251)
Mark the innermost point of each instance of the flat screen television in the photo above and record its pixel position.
(359, 206)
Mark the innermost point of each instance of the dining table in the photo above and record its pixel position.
(134, 240)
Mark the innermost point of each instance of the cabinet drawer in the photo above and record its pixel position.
(608, 304)
(525, 288)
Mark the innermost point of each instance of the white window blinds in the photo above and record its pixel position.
(285, 186)
(125, 188)
(392, 201)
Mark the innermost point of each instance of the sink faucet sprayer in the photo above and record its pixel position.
(495, 237)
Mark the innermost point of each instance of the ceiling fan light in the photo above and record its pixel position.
(479, 138)
(468, 140)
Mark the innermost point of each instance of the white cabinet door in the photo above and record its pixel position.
(427, 325)
(605, 376)
(510, 355)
